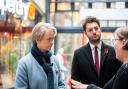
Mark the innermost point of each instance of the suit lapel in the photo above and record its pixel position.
(103, 55)
(88, 52)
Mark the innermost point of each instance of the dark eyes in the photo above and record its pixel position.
(92, 29)
(96, 28)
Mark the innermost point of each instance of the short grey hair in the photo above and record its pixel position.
(122, 34)
(39, 30)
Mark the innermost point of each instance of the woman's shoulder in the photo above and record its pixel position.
(26, 59)
(125, 66)
(124, 69)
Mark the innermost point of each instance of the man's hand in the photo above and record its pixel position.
(78, 85)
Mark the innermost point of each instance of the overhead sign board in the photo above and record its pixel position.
(105, 14)
(13, 6)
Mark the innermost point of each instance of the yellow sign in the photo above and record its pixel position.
(31, 11)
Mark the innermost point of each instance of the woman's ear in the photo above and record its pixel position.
(125, 44)
(37, 41)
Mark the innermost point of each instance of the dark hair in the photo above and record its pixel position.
(122, 34)
(90, 19)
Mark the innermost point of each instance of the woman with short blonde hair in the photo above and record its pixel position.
(39, 69)
(40, 29)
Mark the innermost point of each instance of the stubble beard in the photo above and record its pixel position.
(95, 41)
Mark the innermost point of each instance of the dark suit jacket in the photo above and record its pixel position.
(119, 80)
(83, 68)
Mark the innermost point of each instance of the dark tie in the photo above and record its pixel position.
(97, 61)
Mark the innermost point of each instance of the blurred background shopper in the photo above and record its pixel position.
(61, 57)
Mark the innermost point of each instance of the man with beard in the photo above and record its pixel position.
(96, 61)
